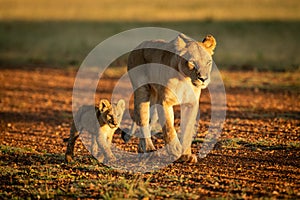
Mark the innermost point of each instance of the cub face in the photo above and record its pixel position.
(111, 114)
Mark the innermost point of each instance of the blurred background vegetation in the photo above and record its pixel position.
(252, 35)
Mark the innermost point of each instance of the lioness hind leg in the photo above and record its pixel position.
(145, 142)
(154, 122)
(154, 126)
(142, 115)
(71, 144)
(146, 145)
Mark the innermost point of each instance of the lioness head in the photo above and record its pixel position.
(195, 58)
(111, 114)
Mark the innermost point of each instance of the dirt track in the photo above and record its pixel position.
(257, 155)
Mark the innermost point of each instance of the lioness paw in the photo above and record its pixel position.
(146, 145)
(174, 148)
(191, 158)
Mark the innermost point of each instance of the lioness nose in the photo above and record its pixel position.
(203, 79)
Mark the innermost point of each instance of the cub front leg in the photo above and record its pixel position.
(102, 142)
(95, 150)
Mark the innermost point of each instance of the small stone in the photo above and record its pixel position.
(275, 192)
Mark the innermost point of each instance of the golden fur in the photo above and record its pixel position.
(193, 60)
(102, 127)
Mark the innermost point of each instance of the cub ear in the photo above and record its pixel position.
(121, 104)
(104, 105)
(209, 43)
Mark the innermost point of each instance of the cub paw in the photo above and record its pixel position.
(110, 158)
(100, 157)
(68, 158)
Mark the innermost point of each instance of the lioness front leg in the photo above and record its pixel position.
(166, 116)
(187, 125)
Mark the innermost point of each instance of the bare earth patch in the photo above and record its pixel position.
(257, 154)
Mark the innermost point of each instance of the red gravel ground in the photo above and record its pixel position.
(257, 155)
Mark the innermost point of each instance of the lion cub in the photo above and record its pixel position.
(102, 127)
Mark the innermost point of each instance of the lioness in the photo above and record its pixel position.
(108, 117)
(190, 59)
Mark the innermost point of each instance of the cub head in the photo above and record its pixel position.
(195, 58)
(111, 114)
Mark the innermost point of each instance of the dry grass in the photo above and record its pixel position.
(143, 10)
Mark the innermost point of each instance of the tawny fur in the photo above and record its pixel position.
(194, 62)
(101, 121)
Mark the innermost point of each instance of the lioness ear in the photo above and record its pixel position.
(104, 105)
(209, 43)
(121, 104)
(179, 43)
